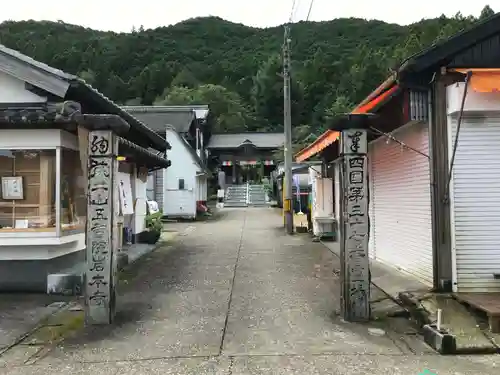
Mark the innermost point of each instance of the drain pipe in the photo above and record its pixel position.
(455, 144)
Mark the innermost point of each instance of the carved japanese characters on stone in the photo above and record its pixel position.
(99, 288)
(356, 279)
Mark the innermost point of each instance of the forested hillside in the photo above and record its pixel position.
(235, 68)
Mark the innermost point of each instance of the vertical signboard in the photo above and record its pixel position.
(356, 225)
(101, 236)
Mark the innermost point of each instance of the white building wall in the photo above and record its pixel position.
(475, 190)
(37, 139)
(401, 204)
(12, 90)
(39, 248)
(179, 203)
(199, 188)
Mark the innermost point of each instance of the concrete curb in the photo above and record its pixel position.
(416, 310)
(445, 341)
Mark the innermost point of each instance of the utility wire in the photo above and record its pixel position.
(290, 19)
(297, 8)
(391, 137)
(310, 8)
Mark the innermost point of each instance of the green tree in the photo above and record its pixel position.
(486, 12)
(185, 78)
(134, 101)
(340, 106)
(226, 107)
(267, 94)
(343, 57)
(409, 47)
(88, 76)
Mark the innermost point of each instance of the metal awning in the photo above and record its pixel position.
(330, 136)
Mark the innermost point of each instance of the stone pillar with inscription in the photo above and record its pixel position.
(102, 229)
(355, 224)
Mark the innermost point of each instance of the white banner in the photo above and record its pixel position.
(126, 198)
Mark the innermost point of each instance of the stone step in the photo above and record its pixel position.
(233, 204)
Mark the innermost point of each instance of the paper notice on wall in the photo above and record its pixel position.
(153, 207)
(125, 190)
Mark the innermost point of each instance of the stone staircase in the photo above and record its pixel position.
(236, 196)
(257, 195)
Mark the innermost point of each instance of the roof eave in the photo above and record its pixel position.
(438, 53)
(382, 87)
(155, 140)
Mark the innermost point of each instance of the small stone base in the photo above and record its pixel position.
(64, 284)
(122, 260)
(439, 340)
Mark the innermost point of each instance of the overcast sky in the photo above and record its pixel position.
(123, 15)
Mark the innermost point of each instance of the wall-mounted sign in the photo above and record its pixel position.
(12, 188)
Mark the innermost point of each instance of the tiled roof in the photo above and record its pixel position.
(44, 116)
(34, 115)
(159, 117)
(200, 110)
(259, 140)
(159, 143)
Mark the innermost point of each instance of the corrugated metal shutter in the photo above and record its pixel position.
(371, 240)
(336, 193)
(159, 189)
(401, 204)
(475, 203)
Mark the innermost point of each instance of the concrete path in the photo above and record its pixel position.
(237, 296)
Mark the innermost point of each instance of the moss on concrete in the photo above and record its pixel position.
(60, 326)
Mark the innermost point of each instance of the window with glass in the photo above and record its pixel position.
(28, 190)
(73, 185)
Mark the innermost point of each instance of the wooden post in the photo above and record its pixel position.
(355, 226)
(102, 214)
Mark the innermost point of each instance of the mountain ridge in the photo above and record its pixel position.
(233, 67)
